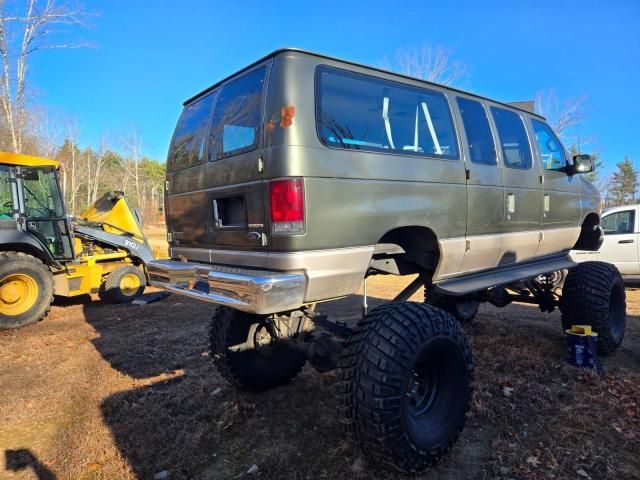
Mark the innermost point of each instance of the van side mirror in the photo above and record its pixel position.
(582, 163)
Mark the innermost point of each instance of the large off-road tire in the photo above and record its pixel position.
(462, 308)
(123, 285)
(594, 294)
(405, 383)
(26, 290)
(246, 354)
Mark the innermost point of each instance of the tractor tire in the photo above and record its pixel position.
(123, 285)
(462, 308)
(405, 383)
(594, 294)
(245, 354)
(26, 290)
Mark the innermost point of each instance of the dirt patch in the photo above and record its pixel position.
(102, 391)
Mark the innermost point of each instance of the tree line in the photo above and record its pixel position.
(31, 27)
(86, 173)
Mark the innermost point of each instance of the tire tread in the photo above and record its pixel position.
(585, 300)
(48, 287)
(373, 365)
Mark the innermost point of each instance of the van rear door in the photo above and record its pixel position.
(217, 200)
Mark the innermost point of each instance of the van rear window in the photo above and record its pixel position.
(359, 112)
(235, 126)
(187, 146)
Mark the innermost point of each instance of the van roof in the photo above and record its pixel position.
(348, 62)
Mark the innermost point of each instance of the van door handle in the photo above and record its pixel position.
(511, 203)
(626, 241)
(217, 221)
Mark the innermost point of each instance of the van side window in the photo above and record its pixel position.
(476, 125)
(619, 222)
(513, 138)
(359, 112)
(187, 146)
(552, 153)
(235, 126)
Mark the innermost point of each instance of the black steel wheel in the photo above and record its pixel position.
(252, 352)
(594, 294)
(405, 383)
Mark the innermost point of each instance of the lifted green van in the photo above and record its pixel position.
(293, 180)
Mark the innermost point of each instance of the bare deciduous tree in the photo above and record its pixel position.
(98, 160)
(47, 130)
(133, 148)
(562, 116)
(23, 32)
(70, 168)
(427, 62)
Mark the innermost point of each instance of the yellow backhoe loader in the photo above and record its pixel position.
(44, 252)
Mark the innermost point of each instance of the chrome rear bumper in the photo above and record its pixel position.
(254, 291)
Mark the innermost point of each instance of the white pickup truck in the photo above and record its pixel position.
(621, 244)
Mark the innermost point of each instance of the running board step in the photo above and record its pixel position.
(501, 276)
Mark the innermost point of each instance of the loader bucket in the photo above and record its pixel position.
(115, 215)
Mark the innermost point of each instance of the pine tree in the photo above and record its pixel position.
(624, 184)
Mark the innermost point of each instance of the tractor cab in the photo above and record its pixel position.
(31, 202)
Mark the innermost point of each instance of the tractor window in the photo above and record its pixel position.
(44, 211)
(6, 199)
(41, 194)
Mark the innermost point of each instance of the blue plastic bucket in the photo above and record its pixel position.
(582, 344)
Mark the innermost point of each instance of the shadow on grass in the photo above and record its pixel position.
(196, 425)
(70, 301)
(185, 425)
(144, 341)
(24, 459)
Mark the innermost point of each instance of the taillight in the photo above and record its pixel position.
(287, 205)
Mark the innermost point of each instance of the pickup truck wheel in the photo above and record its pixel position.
(26, 290)
(246, 353)
(594, 294)
(405, 384)
(462, 308)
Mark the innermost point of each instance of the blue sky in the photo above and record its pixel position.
(150, 56)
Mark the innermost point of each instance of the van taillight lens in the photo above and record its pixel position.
(287, 205)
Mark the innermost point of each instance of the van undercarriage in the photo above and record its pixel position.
(401, 360)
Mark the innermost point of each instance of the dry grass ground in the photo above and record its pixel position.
(99, 391)
(157, 237)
